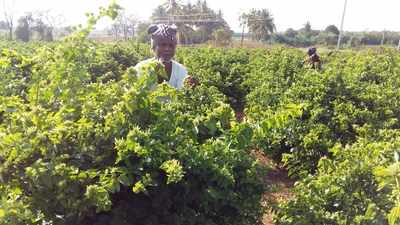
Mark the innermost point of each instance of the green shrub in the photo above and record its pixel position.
(84, 152)
(345, 190)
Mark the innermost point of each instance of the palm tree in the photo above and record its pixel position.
(260, 24)
(189, 19)
(171, 12)
(159, 13)
(174, 9)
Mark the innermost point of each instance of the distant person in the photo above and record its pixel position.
(313, 59)
(163, 44)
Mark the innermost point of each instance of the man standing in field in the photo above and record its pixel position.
(163, 44)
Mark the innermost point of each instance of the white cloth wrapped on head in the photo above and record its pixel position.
(163, 31)
(166, 32)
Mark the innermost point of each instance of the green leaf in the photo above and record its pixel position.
(174, 171)
(394, 215)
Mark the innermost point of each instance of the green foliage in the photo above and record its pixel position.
(224, 69)
(222, 37)
(260, 24)
(84, 140)
(196, 23)
(348, 96)
(389, 178)
(112, 61)
(344, 190)
(79, 146)
(16, 72)
(306, 37)
(332, 29)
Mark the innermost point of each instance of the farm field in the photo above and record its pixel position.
(84, 141)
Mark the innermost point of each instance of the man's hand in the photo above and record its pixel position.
(191, 82)
(162, 75)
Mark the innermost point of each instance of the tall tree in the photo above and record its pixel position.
(159, 13)
(307, 27)
(195, 23)
(8, 12)
(332, 29)
(260, 24)
(291, 33)
(3, 25)
(172, 12)
(44, 24)
(23, 31)
(141, 32)
(222, 37)
(124, 26)
(174, 7)
(51, 21)
(42, 30)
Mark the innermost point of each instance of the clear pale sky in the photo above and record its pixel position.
(362, 15)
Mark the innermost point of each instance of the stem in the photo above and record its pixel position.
(398, 188)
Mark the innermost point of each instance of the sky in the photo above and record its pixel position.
(361, 15)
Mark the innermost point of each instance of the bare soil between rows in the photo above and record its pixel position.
(277, 183)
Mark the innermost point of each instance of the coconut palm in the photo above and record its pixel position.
(171, 13)
(189, 19)
(260, 24)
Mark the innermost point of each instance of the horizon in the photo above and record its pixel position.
(320, 15)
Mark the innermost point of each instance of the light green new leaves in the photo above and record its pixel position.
(140, 186)
(390, 177)
(174, 171)
(394, 215)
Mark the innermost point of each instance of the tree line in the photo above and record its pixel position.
(196, 22)
(306, 36)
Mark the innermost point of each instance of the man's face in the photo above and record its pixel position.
(164, 48)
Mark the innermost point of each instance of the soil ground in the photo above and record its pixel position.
(277, 183)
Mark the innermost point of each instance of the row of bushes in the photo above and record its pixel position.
(83, 141)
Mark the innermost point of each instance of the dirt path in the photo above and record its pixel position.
(277, 183)
(276, 180)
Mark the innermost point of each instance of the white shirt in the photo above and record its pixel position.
(178, 74)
